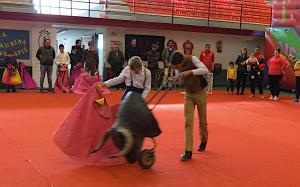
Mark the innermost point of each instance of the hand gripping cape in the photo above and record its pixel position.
(81, 130)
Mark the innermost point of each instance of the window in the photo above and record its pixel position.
(67, 7)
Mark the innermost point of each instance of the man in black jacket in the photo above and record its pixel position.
(132, 50)
(46, 55)
(90, 58)
(116, 61)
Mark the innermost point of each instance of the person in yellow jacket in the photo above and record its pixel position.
(297, 74)
(231, 77)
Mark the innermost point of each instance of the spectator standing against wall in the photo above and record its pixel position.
(79, 50)
(166, 54)
(90, 58)
(153, 58)
(62, 82)
(116, 61)
(231, 77)
(132, 50)
(188, 47)
(241, 71)
(254, 75)
(46, 55)
(277, 64)
(208, 58)
(10, 71)
(261, 66)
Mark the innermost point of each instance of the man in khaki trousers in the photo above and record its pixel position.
(192, 71)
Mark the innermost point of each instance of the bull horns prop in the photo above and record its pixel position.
(134, 123)
(128, 141)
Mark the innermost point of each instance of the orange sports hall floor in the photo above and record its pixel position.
(252, 143)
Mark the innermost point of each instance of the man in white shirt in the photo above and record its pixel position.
(136, 77)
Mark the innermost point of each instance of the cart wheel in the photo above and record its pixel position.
(146, 158)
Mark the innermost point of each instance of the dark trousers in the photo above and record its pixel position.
(297, 87)
(91, 68)
(44, 69)
(154, 77)
(256, 81)
(274, 82)
(241, 81)
(230, 84)
(10, 87)
(132, 89)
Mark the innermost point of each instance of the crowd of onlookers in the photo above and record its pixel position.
(246, 67)
(254, 67)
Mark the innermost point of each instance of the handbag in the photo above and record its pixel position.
(16, 79)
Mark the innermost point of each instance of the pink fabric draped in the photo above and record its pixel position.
(84, 82)
(82, 129)
(75, 72)
(27, 81)
(62, 82)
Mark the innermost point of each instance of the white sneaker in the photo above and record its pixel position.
(271, 97)
(275, 98)
(251, 96)
(262, 96)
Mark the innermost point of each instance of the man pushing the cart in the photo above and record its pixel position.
(192, 71)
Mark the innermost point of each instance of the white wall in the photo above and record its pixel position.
(34, 29)
(35, 33)
(231, 44)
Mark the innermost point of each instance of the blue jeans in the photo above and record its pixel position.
(230, 84)
(44, 69)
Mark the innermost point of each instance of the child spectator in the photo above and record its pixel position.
(231, 77)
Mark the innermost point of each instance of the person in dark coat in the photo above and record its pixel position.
(116, 61)
(241, 71)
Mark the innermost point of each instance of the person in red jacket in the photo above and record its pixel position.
(276, 65)
(208, 58)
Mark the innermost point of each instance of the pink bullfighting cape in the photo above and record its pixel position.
(81, 130)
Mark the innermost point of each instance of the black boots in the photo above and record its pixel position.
(187, 155)
(202, 146)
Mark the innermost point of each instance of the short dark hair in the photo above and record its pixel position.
(61, 45)
(231, 63)
(74, 47)
(176, 58)
(91, 43)
(278, 50)
(207, 45)
(77, 41)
